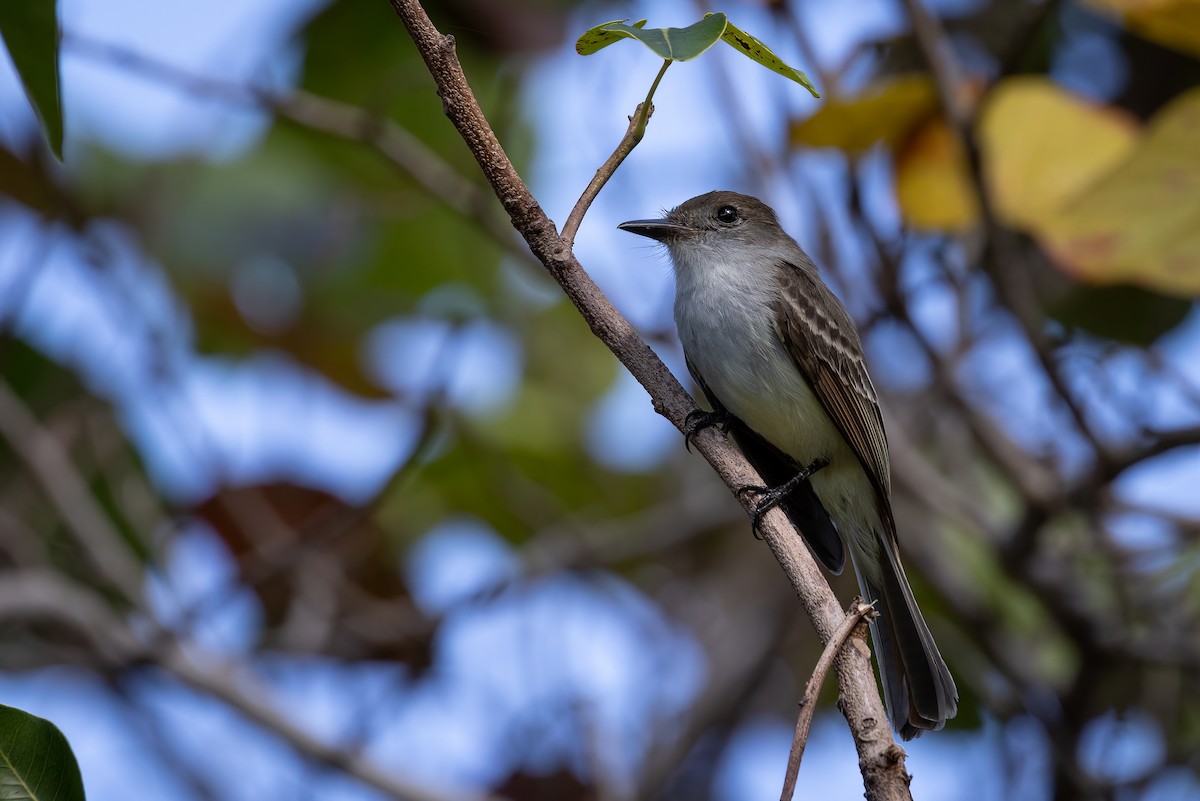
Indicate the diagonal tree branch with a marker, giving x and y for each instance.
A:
(880, 759)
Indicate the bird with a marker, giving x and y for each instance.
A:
(781, 364)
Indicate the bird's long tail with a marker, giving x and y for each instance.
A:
(917, 686)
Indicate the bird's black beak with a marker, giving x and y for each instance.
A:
(660, 230)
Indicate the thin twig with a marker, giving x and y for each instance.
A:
(856, 613)
(633, 135)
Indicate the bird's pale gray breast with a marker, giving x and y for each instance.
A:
(728, 333)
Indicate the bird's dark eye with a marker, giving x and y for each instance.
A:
(727, 214)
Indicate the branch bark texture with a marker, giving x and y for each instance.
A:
(881, 760)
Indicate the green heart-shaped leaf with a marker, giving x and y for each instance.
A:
(684, 44)
(754, 49)
(670, 44)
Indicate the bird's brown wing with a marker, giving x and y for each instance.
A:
(802, 506)
(824, 345)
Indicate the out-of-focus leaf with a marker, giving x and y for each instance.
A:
(30, 31)
(1140, 223)
(1041, 148)
(932, 187)
(1124, 313)
(755, 50)
(1044, 145)
(1174, 23)
(887, 111)
(670, 44)
(36, 761)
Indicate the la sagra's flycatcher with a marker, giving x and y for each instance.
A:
(778, 356)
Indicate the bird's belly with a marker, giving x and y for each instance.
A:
(758, 383)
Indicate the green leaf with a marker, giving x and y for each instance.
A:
(1121, 312)
(754, 49)
(684, 44)
(670, 44)
(36, 763)
(30, 30)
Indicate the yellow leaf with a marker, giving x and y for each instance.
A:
(1141, 222)
(1043, 145)
(887, 111)
(1174, 23)
(932, 186)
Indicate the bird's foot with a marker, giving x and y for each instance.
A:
(773, 496)
(699, 419)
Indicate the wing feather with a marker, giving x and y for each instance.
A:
(823, 342)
